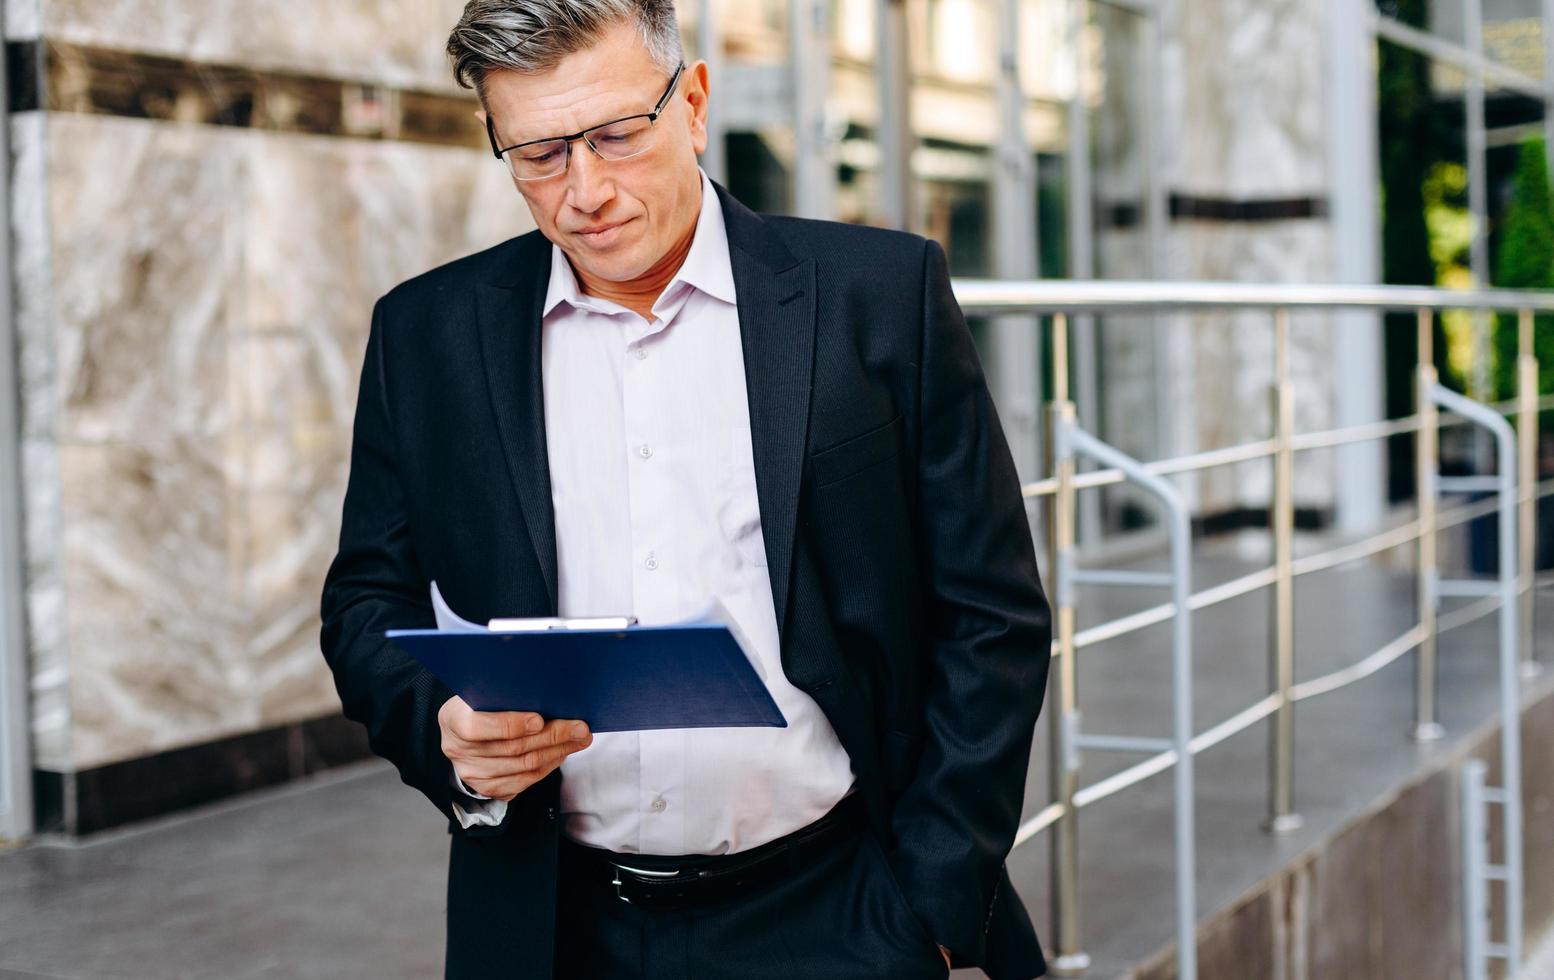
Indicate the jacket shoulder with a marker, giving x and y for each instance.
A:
(454, 278)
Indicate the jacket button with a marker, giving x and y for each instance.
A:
(550, 814)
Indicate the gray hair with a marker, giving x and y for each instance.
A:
(528, 36)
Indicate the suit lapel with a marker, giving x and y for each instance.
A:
(776, 295)
(509, 317)
(776, 298)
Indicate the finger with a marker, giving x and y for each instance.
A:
(488, 726)
(504, 788)
(509, 787)
(541, 759)
(491, 767)
(521, 781)
(557, 732)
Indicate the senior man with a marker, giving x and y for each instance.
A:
(656, 397)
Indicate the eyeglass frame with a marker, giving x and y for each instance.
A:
(582, 134)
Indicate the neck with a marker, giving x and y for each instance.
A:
(639, 294)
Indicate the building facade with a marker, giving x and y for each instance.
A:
(206, 198)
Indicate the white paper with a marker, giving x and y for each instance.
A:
(716, 613)
(448, 620)
(451, 622)
(713, 613)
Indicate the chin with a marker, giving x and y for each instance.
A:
(619, 265)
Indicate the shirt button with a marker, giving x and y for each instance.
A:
(659, 804)
(641, 353)
(651, 563)
(645, 451)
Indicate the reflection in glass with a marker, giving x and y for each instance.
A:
(758, 169)
(1521, 228)
(1513, 34)
(1425, 229)
(1443, 18)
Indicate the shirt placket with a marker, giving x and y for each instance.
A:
(650, 450)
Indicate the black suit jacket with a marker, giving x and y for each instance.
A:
(902, 567)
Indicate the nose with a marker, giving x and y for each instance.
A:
(589, 187)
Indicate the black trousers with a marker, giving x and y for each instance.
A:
(842, 917)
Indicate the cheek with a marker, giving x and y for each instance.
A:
(542, 207)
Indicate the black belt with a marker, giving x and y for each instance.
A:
(665, 882)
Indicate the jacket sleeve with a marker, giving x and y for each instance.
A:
(375, 583)
(987, 644)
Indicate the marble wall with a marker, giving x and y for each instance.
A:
(193, 302)
(1242, 99)
(1235, 114)
(393, 42)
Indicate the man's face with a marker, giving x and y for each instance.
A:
(613, 218)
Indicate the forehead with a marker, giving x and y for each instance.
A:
(613, 77)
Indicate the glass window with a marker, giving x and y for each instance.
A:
(1443, 18)
(1521, 226)
(1513, 34)
(1425, 225)
(754, 31)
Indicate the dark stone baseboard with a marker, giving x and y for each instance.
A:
(1220, 522)
(1201, 207)
(78, 803)
(61, 76)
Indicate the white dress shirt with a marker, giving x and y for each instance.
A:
(647, 429)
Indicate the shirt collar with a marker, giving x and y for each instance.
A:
(706, 266)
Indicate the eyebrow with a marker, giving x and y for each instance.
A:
(623, 113)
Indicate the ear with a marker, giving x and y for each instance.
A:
(696, 94)
(480, 116)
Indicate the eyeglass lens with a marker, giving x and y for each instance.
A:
(612, 141)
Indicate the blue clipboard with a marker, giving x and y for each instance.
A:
(638, 678)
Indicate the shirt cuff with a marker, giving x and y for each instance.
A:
(463, 787)
(479, 810)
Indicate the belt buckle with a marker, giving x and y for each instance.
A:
(636, 871)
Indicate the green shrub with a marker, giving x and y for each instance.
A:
(1526, 261)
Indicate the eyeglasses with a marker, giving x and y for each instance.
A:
(617, 139)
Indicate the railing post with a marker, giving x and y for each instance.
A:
(1281, 639)
(1426, 468)
(1509, 795)
(1073, 439)
(1527, 465)
(1071, 959)
(1475, 897)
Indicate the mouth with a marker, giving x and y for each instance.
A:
(601, 235)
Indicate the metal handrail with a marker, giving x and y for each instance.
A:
(1073, 441)
(988, 297)
(1263, 448)
(1062, 298)
(1250, 582)
(1510, 793)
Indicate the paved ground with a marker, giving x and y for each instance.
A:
(1540, 965)
(342, 876)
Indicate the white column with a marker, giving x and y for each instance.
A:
(710, 47)
(814, 164)
(893, 73)
(1352, 165)
(1013, 339)
(15, 750)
